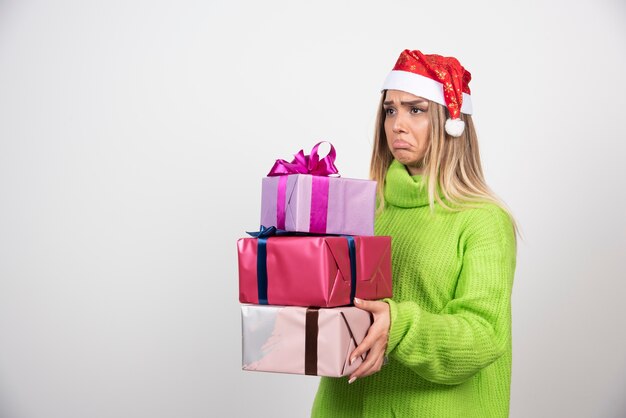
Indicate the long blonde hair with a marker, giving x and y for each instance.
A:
(452, 167)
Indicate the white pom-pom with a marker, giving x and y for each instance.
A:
(455, 127)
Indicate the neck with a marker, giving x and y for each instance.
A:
(404, 189)
(415, 170)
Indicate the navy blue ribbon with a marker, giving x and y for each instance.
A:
(261, 269)
(352, 253)
(261, 258)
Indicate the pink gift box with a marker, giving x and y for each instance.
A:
(318, 204)
(289, 339)
(314, 270)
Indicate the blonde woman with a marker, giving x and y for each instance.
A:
(441, 347)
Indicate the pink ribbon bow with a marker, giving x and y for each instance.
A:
(307, 164)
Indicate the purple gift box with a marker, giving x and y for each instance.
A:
(304, 196)
(320, 205)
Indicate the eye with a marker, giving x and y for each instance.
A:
(416, 110)
(390, 111)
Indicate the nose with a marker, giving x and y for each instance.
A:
(399, 125)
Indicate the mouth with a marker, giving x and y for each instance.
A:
(400, 144)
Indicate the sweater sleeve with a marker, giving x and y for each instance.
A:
(474, 328)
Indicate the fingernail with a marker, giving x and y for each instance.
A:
(352, 360)
(357, 300)
(352, 379)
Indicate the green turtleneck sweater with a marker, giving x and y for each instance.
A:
(450, 337)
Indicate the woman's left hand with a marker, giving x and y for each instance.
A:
(375, 342)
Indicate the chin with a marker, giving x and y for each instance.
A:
(408, 160)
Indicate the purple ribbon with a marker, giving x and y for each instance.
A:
(319, 205)
(321, 169)
(281, 208)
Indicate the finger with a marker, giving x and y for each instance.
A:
(373, 368)
(360, 371)
(371, 365)
(373, 355)
(362, 348)
(372, 306)
(374, 336)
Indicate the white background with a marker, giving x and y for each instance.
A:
(133, 138)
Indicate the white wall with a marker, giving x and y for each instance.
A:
(133, 137)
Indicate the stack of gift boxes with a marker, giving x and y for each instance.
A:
(299, 275)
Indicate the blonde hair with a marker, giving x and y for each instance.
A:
(452, 167)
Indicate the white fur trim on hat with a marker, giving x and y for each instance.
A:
(423, 87)
(455, 127)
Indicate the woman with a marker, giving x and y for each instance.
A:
(446, 333)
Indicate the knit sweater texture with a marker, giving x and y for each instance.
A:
(450, 337)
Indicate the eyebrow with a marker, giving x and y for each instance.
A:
(411, 103)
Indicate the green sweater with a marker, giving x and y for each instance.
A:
(450, 337)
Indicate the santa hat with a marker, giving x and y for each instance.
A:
(440, 79)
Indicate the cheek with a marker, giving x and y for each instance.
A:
(422, 132)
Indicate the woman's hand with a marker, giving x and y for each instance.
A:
(375, 342)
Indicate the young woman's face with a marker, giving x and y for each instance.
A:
(407, 128)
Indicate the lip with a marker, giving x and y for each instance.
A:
(400, 144)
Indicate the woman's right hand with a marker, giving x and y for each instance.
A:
(375, 342)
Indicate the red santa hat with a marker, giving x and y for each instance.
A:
(440, 79)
